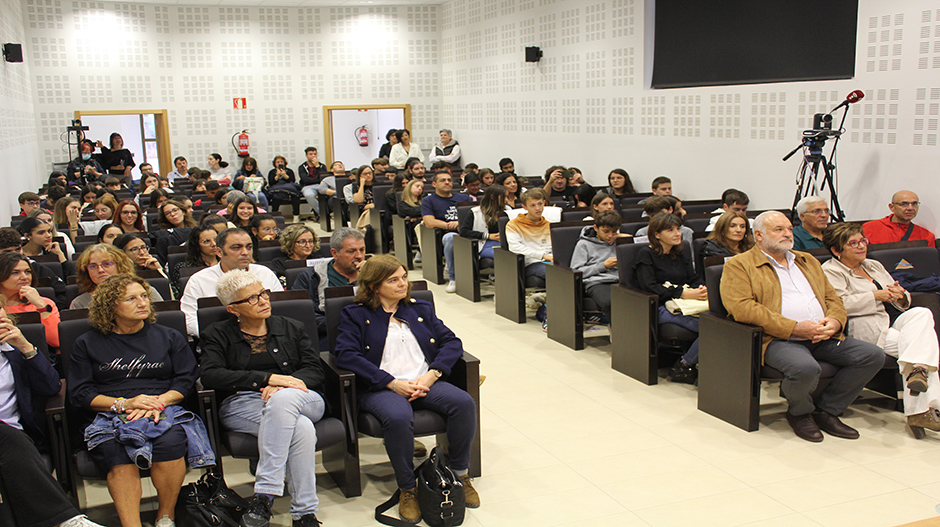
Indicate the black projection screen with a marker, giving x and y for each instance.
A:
(720, 42)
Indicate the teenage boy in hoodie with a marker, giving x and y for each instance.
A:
(595, 256)
(529, 234)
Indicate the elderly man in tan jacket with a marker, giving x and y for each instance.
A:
(787, 293)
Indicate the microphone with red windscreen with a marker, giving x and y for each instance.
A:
(851, 98)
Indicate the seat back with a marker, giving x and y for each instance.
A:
(697, 224)
(713, 283)
(503, 220)
(577, 214)
(463, 210)
(921, 261)
(339, 297)
(565, 237)
(288, 304)
(630, 227)
(701, 206)
(626, 257)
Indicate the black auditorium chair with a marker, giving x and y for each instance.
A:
(697, 222)
(432, 254)
(73, 324)
(465, 375)
(576, 214)
(511, 281)
(381, 220)
(469, 269)
(157, 281)
(403, 234)
(336, 437)
(704, 206)
(636, 335)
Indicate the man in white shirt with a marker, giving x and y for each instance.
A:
(181, 172)
(234, 248)
(788, 295)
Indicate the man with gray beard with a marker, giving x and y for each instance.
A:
(787, 293)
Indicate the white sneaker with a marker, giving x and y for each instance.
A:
(451, 287)
(79, 521)
(165, 522)
(417, 258)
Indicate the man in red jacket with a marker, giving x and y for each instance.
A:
(899, 225)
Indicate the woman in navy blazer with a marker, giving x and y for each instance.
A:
(402, 354)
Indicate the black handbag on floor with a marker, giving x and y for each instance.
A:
(209, 503)
(440, 495)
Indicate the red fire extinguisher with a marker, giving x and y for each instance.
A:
(362, 134)
(241, 146)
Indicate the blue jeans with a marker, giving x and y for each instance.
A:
(449, 253)
(261, 199)
(689, 323)
(287, 441)
(397, 417)
(486, 251)
(310, 192)
(536, 269)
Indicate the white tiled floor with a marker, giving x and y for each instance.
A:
(568, 441)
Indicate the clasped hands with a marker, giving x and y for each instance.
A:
(144, 406)
(278, 382)
(816, 331)
(413, 389)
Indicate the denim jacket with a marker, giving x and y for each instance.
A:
(136, 435)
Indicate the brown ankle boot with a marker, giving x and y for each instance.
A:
(917, 380)
(929, 419)
(472, 497)
(408, 508)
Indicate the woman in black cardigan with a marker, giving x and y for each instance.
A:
(269, 373)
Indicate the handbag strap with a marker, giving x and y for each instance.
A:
(390, 520)
(910, 230)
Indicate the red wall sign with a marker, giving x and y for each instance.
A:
(239, 103)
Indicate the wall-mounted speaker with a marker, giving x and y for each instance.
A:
(532, 54)
(13, 52)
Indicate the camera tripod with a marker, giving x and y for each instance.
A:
(806, 183)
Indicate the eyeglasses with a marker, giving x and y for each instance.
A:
(902, 204)
(856, 243)
(36, 203)
(304, 242)
(253, 299)
(207, 242)
(138, 250)
(129, 212)
(103, 266)
(818, 211)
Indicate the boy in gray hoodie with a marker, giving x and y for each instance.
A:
(595, 256)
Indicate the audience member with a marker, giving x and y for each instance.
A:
(899, 225)
(409, 207)
(275, 396)
(806, 329)
(251, 181)
(380, 167)
(54, 194)
(348, 248)
(529, 234)
(172, 214)
(732, 199)
(404, 149)
(814, 216)
(109, 233)
(118, 159)
(45, 216)
(556, 183)
(311, 173)
(439, 211)
(599, 203)
(391, 195)
(282, 186)
(181, 172)
(263, 227)
(11, 241)
(200, 251)
(447, 151)
(298, 242)
(38, 239)
(360, 191)
(95, 265)
(513, 189)
(731, 235)
(576, 178)
(471, 168)
(664, 268)
(414, 168)
(584, 194)
(83, 169)
(234, 248)
(129, 217)
(18, 293)
(105, 206)
(506, 165)
(146, 169)
(472, 185)
(135, 246)
(241, 210)
(158, 197)
(219, 170)
(391, 139)
(482, 224)
(879, 311)
(28, 201)
(662, 186)
(595, 255)
(399, 351)
(126, 339)
(657, 204)
(619, 185)
(487, 177)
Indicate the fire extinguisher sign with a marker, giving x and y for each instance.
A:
(239, 103)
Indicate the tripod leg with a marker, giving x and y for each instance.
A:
(836, 212)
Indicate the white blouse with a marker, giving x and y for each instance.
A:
(402, 357)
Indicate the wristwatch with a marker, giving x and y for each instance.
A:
(437, 372)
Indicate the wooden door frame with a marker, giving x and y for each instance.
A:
(161, 124)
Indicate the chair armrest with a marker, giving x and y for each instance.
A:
(340, 386)
(565, 287)
(56, 403)
(729, 370)
(634, 332)
(207, 407)
(59, 441)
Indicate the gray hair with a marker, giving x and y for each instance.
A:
(447, 131)
(340, 235)
(231, 283)
(233, 195)
(761, 219)
(804, 203)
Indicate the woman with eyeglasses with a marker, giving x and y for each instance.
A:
(96, 264)
(129, 217)
(879, 311)
(298, 242)
(136, 249)
(268, 374)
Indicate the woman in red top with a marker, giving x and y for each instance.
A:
(19, 295)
